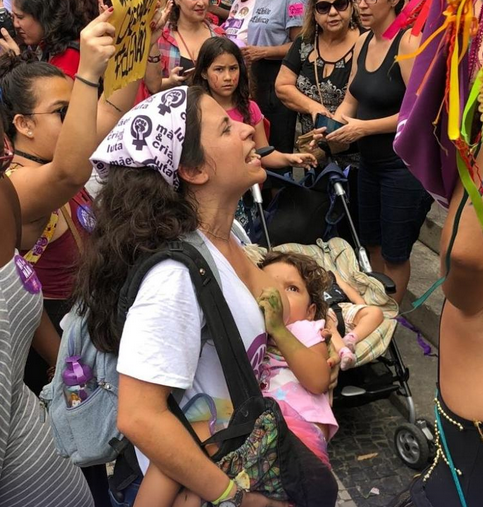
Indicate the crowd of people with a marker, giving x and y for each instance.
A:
(91, 185)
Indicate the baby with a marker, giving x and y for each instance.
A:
(300, 385)
(307, 287)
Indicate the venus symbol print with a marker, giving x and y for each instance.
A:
(172, 99)
(141, 128)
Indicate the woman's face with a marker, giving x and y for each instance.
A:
(292, 283)
(43, 126)
(28, 28)
(223, 76)
(334, 16)
(376, 14)
(193, 10)
(230, 151)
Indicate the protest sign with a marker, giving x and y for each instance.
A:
(131, 19)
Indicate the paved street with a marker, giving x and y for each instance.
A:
(367, 432)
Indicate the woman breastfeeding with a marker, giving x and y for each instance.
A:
(192, 185)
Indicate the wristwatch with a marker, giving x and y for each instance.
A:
(235, 501)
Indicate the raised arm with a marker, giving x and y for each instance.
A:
(48, 187)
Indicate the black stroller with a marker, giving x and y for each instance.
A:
(324, 196)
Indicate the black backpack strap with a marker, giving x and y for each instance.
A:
(237, 370)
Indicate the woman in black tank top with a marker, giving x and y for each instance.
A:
(392, 203)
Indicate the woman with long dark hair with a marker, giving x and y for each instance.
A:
(185, 176)
(52, 26)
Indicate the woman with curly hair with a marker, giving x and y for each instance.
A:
(52, 26)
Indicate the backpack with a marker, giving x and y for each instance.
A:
(87, 434)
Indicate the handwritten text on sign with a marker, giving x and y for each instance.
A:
(131, 18)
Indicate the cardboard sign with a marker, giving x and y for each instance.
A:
(131, 18)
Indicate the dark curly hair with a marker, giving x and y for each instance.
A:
(212, 49)
(18, 75)
(61, 20)
(137, 212)
(315, 277)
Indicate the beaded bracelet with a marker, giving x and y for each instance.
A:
(87, 82)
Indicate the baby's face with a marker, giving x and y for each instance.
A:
(291, 282)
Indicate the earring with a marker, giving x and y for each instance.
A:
(30, 133)
(316, 31)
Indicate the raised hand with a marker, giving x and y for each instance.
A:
(160, 18)
(7, 43)
(96, 47)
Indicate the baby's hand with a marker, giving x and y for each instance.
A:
(271, 305)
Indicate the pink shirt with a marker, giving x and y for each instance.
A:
(256, 115)
(280, 383)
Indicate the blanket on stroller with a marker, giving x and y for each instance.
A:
(337, 255)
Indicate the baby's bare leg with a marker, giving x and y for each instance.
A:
(157, 489)
(366, 321)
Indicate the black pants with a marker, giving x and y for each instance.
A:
(439, 490)
(36, 377)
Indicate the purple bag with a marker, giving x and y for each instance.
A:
(425, 148)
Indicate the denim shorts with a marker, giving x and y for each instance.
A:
(392, 208)
(129, 495)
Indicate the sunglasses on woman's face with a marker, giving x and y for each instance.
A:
(325, 7)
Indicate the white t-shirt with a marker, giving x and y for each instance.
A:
(271, 21)
(236, 25)
(161, 339)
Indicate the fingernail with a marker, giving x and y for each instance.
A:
(111, 9)
(152, 25)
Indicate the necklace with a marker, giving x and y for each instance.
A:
(216, 235)
(190, 54)
(33, 158)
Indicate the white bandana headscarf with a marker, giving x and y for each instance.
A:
(149, 135)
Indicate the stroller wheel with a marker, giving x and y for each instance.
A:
(412, 446)
(427, 427)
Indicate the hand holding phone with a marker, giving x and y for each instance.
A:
(186, 72)
(324, 121)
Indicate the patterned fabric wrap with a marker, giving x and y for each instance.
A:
(151, 135)
(255, 465)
